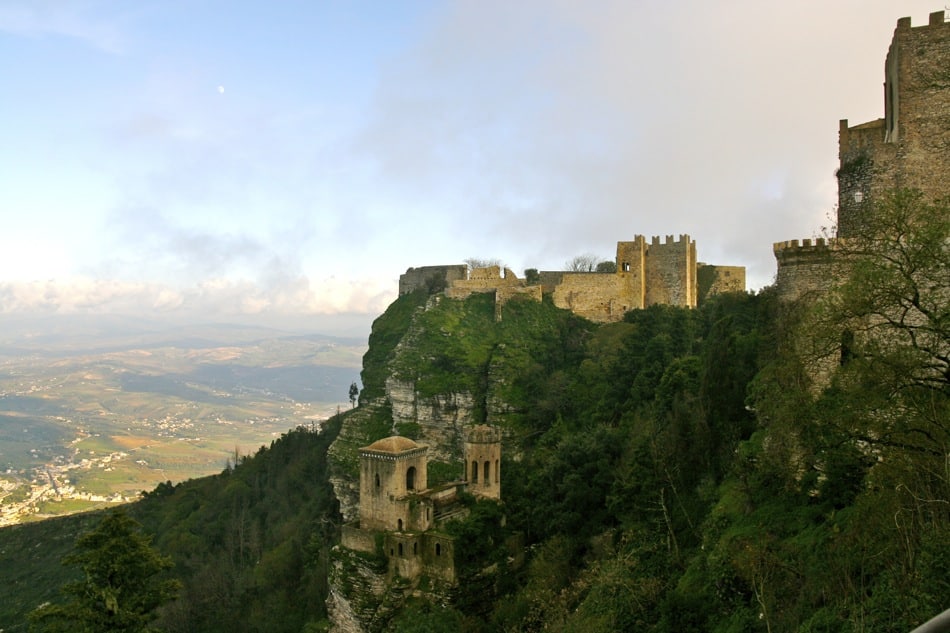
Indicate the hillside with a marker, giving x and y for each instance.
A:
(680, 470)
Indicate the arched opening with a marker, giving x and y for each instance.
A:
(438, 549)
(377, 480)
(496, 471)
(486, 473)
(474, 472)
(399, 526)
(400, 549)
(415, 548)
(411, 478)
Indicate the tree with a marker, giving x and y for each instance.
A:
(354, 394)
(121, 585)
(606, 266)
(895, 304)
(475, 262)
(582, 263)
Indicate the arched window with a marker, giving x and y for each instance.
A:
(496, 471)
(486, 476)
(474, 472)
(399, 527)
(411, 478)
(400, 549)
(377, 480)
(438, 549)
(415, 548)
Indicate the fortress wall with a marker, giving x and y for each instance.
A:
(550, 279)
(713, 280)
(487, 279)
(670, 272)
(631, 272)
(595, 296)
(807, 268)
(425, 276)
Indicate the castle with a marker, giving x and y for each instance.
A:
(400, 514)
(647, 273)
(908, 148)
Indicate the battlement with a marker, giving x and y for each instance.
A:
(805, 244)
(683, 240)
(937, 18)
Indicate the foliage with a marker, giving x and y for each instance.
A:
(121, 587)
(680, 470)
(584, 263)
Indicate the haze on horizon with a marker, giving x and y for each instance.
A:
(284, 163)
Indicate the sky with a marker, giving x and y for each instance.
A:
(284, 162)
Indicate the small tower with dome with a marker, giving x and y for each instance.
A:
(391, 469)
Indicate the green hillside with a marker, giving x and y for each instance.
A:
(682, 470)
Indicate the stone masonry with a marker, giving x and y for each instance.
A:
(648, 273)
(908, 148)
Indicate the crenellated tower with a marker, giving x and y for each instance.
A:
(910, 146)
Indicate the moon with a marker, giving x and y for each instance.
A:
(221, 90)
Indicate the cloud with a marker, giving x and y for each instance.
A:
(76, 20)
(209, 300)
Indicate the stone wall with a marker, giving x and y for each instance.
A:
(713, 280)
(594, 296)
(808, 268)
(670, 272)
(431, 278)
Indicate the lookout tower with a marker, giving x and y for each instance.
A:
(391, 469)
(483, 462)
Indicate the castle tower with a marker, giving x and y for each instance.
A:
(483, 462)
(910, 146)
(390, 469)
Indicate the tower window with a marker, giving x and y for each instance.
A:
(411, 478)
(377, 480)
(486, 477)
(474, 472)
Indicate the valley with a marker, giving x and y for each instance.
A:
(90, 425)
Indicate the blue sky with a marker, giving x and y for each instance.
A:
(286, 161)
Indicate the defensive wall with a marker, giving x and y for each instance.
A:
(647, 273)
(433, 278)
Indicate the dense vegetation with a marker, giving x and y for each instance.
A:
(249, 545)
(746, 466)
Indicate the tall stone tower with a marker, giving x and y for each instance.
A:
(483, 462)
(910, 146)
(390, 469)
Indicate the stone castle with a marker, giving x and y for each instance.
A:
(400, 517)
(647, 273)
(908, 148)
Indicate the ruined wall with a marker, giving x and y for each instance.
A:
(483, 280)
(431, 278)
(670, 270)
(910, 146)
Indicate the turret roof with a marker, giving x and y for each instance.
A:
(392, 444)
